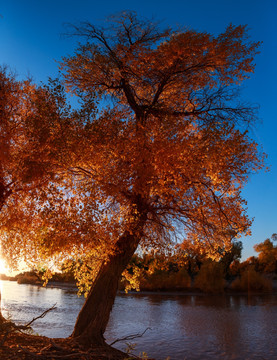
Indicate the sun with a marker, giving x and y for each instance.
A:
(3, 268)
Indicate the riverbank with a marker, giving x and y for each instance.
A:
(19, 346)
(190, 291)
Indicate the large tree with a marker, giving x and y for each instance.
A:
(163, 160)
(167, 154)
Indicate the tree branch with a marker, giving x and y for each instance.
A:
(130, 337)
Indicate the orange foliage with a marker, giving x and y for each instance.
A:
(267, 255)
(31, 134)
(166, 159)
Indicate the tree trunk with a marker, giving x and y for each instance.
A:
(94, 316)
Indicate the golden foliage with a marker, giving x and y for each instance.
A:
(165, 160)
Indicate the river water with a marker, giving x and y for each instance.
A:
(191, 327)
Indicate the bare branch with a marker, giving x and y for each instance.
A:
(40, 316)
(130, 337)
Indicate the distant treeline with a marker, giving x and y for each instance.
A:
(190, 269)
(186, 269)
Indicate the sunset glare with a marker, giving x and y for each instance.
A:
(3, 268)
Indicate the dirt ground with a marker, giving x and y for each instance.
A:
(19, 346)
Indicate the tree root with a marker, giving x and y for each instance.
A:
(16, 344)
(21, 346)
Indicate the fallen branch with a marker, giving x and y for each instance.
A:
(40, 316)
(130, 337)
(10, 327)
(50, 346)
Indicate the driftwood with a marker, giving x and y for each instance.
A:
(9, 327)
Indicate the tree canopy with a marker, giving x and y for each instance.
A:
(170, 137)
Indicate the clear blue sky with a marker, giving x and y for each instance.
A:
(31, 41)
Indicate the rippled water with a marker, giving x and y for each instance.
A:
(182, 326)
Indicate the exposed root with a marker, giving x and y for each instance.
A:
(19, 346)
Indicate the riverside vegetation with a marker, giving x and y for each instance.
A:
(186, 270)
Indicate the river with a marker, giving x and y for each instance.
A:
(190, 327)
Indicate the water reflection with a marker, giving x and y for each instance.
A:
(190, 327)
(200, 327)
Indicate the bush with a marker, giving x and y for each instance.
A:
(164, 280)
(210, 278)
(251, 280)
(28, 278)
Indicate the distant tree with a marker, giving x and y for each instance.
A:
(194, 256)
(267, 255)
(235, 268)
(230, 256)
(274, 237)
(251, 280)
(165, 158)
(251, 262)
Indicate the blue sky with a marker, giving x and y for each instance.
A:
(31, 43)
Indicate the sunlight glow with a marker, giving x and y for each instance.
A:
(3, 268)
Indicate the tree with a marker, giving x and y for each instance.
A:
(267, 257)
(168, 151)
(164, 159)
(28, 118)
(194, 256)
(234, 254)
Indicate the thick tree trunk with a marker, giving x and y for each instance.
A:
(94, 316)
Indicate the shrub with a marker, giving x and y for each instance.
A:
(28, 278)
(251, 280)
(210, 278)
(164, 280)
